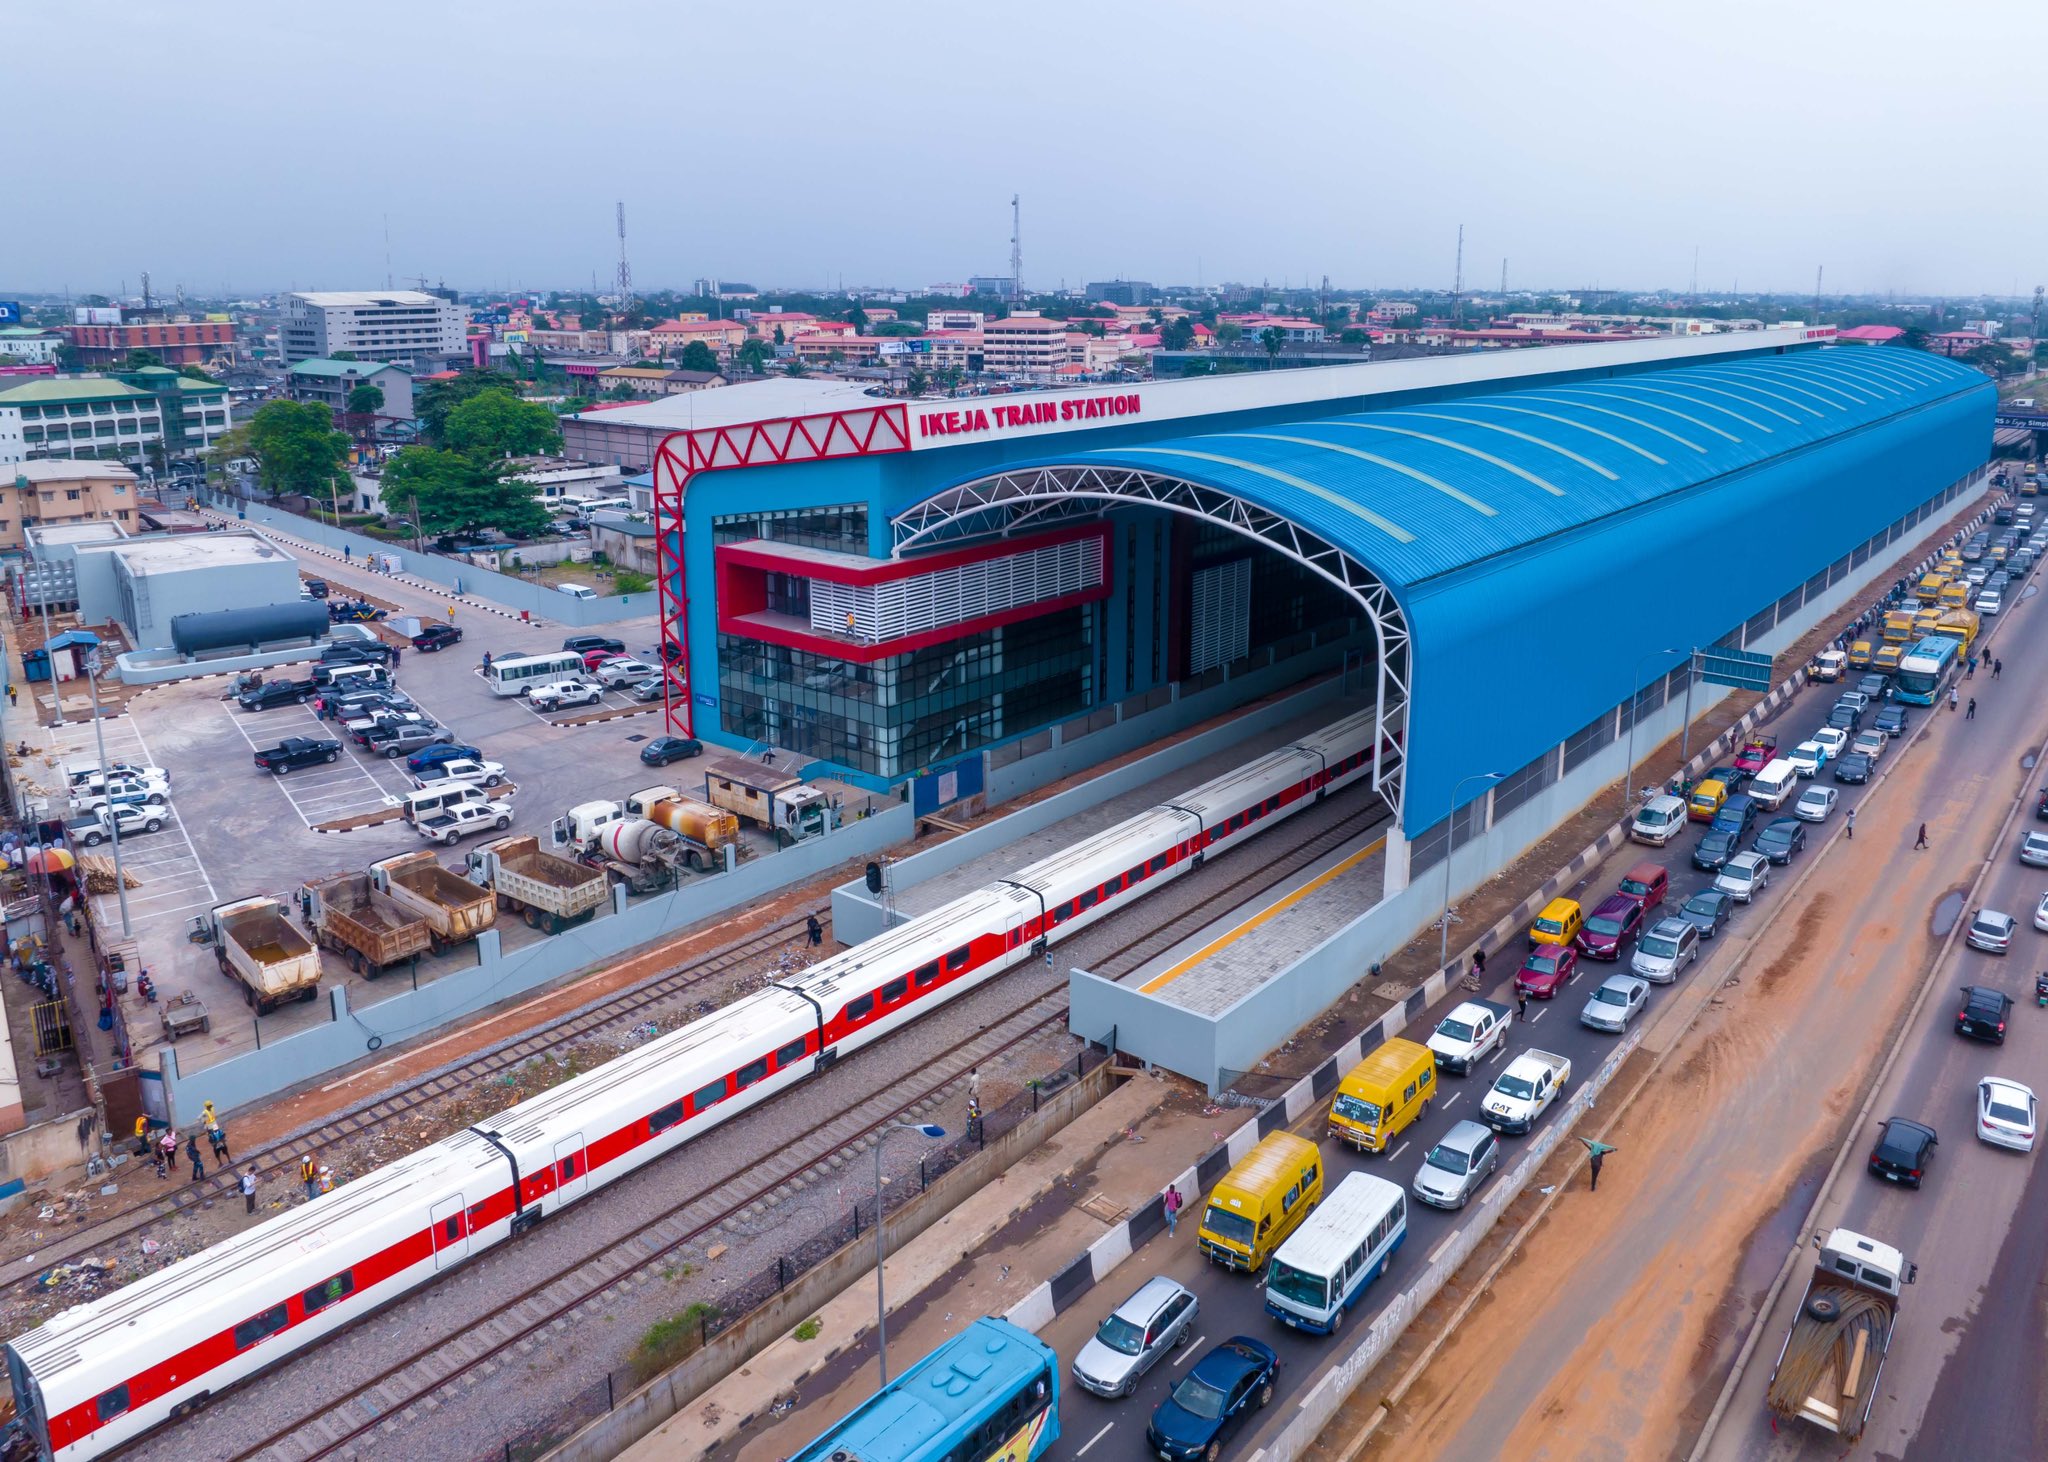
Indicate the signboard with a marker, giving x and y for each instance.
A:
(489, 317)
(96, 315)
(947, 785)
(1742, 669)
(10, 312)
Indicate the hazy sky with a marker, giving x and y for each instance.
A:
(263, 145)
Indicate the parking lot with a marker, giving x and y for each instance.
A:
(237, 831)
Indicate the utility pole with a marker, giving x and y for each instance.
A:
(1503, 283)
(387, 251)
(2034, 330)
(1695, 272)
(1458, 277)
(1016, 250)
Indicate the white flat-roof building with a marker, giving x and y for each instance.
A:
(400, 325)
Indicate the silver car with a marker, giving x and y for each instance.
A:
(1665, 948)
(1743, 875)
(1815, 803)
(1452, 1171)
(1990, 931)
(1144, 1327)
(1614, 1004)
(2034, 850)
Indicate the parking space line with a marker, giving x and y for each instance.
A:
(1497, 1055)
(1107, 1428)
(1188, 1350)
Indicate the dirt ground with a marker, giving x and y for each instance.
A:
(1555, 1361)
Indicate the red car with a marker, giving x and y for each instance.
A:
(1756, 754)
(1547, 970)
(1618, 920)
(1646, 883)
(594, 658)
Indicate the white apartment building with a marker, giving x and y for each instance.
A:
(955, 320)
(398, 325)
(11, 447)
(1024, 345)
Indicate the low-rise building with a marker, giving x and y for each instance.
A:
(566, 479)
(625, 541)
(329, 382)
(62, 491)
(174, 342)
(70, 417)
(1868, 335)
(672, 337)
(29, 346)
(654, 380)
(826, 345)
(937, 320)
(1027, 345)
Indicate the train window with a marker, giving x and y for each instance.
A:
(895, 990)
(452, 1229)
(859, 1008)
(957, 960)
(321, 1295)
(750, 1073)
(259, 1327)
(665, 1118)
(1158, 862)
(112, 1403)
(709, 1096)
(1086, 900)
(568, 1166)
(928, 973)
(1063, 913)
(794, 1051)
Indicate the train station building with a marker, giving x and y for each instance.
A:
(1509, 556)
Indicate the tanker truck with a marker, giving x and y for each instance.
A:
(706, 831)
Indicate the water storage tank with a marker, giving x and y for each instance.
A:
(258, 624)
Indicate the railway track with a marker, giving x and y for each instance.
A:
(332, 1425)
(279, 1160)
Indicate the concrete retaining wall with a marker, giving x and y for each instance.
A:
(856, 915)
(35, 1152)
(651, 1405)
(447, 575)
(351, 1034)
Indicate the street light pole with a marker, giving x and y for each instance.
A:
(923, 1129)
(1443, 947)
(92, 679)
(1634, 694)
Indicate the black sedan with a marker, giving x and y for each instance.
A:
(1983, 1013)
(1212, 1400)
(1783, 837)
(1715, 847)
(1707, 911)
(1891, 719)
(1845, 718)
(1852, 766)
(1876, 686)
(664, 749)
(1728, 777)
(1903, 1149)
(436, 637)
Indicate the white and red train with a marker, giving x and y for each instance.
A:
(96, 1376)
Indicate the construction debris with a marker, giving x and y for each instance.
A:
(99, 873)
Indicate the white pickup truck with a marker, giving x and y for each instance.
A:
(1464, 1037)
(1525, 1091)
(458, 822)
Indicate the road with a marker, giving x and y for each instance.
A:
(1234, 1304)
(1722, 1155)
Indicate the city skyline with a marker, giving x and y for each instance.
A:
(1597, 153)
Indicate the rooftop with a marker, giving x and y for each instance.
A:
(326, 366)
(362, 299)
(731, 405)
(96, 530)
(67, 469)
(184, 551)
(69, 388)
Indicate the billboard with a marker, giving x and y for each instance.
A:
(10, 312)
(489, 317)
(96, 315)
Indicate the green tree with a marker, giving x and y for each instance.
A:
(919, 382)
(229, 445)
(142, 360)
(449, 492)
(697, 356)
(69, 358)
(1997, 359)
(754, 355)
(193, 372)
(343, 355)
(1228, 335)
(795, 366)
(1353, 336)
(436, 399)
(1177, 333)
(297, 448)
(1915, 338)
(778, 336)
(857, 317)
(366, 400)
(1273, 339)
(496, 423)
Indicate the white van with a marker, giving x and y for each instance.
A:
(1777, 781)
(577, 591)
(355, 679)
(434, 800)
(1316, 1275)
(1658, 821)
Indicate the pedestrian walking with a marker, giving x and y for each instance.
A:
(1997, 668)
(451, 614)
(1479, 960)
(1596, 1153)
(249, 1190)
(207, 1116)
(1973, 669)
(1169, 1203)
(1921, 841)
(13, 697)
(192, 1151)
(218, 1136)
(1971, 713)
(162, 1161)
(974, 1084)
(309, 1174)
(348, 552)
(1597, 1158)
(487, 662)
(1521, 1004)
(814, 931)
(1852, 824)
(1953, 699)
(396, 652)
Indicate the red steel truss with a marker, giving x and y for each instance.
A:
(863, 432)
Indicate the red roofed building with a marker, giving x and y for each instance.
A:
(723, 336)
(1957, 342)
(1868, 335)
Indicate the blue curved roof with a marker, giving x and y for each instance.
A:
(1419, 491)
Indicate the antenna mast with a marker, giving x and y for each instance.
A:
(387, 251)
(625, 269)
(1819, 270)
(1458, 277)
(1016, 249)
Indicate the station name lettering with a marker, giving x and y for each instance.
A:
(1008, 414)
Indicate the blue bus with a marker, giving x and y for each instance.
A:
(1925, 670)
(990, 1394)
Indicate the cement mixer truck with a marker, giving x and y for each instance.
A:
(647, 840)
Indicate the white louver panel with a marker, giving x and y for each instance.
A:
(902, 607)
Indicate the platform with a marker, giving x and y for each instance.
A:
(1240, 950)
(1004, 862)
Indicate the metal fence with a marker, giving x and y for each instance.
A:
(740, 1301)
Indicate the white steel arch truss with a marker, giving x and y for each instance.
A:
(1010, 502)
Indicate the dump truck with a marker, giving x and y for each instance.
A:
(706, 831)
(257, 947)
(550, 893)
(455, 909)
(1828, 1368)
(364, 925)
(781, 802)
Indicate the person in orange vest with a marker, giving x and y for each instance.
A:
(309, 1174)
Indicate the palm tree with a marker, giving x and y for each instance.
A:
(1272, 338)
(919, 382)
